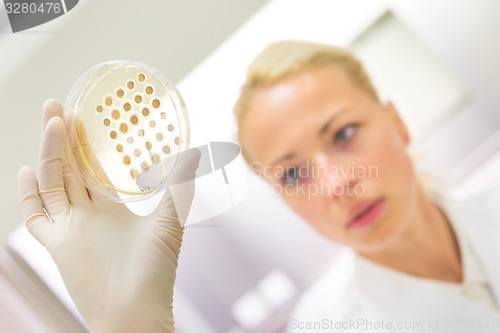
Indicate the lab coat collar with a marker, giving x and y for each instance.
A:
(405, 296)
(480, 220)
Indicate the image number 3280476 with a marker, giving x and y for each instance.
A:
(26, 14)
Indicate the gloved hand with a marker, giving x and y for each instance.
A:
(119, 268)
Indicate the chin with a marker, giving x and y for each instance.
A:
(381, 237)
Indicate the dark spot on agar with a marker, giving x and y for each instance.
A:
(134, 119)
(115, 114)
(123, 128)
(134, 173)
(108, 100)
(120, 93)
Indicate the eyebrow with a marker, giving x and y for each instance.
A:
(322, 131)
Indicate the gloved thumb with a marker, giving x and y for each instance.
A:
(180, 185)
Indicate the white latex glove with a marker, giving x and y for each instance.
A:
(119, 268)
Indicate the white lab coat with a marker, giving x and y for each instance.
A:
(352, 297)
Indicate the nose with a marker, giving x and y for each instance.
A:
(336, 177)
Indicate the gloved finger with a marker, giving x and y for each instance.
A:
(35, 218)
(185, 167)
(51, 184)
(75, 189)
(80, 143)
(69, 119)
(182, 196)
(97, 200)
(180, 186)
(51, 108)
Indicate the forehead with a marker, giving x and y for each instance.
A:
(292, 111)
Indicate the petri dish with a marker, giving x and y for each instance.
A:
(127, 126)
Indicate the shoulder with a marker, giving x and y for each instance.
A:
(478, 191)
(470, 204)
(480, 205)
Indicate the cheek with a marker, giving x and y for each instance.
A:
(307, 209)
(317, 211)
(310, 209)
(387, 154)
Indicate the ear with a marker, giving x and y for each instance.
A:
(398, 122)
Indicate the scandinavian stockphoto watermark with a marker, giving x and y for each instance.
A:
(312, 180)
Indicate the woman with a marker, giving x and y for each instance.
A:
(307, 111)
(311, 123)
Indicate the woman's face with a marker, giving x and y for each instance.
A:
(335, 155)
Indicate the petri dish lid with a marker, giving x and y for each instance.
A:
(128, 124)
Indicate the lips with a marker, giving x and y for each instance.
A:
(365, 212)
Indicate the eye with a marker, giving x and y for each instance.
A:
(345, 134)
(291, 175)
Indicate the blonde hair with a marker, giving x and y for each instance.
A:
(285, 58)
